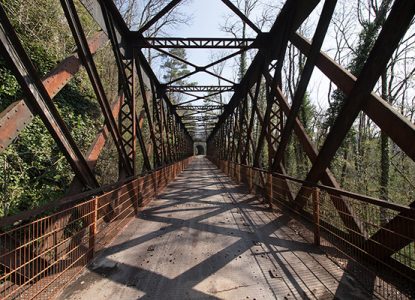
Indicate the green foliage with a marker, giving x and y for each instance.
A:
(174, 68)
(306, 113)
(9, 88)
(33, 171)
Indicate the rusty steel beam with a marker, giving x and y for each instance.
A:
(254, 100)
(396, 126)
(130, 130)
(39, 101)
(244, 18)
(159, 88)
(98, 145)
(307, 71)
(159, 15)
(401, 225)
(95, 9)
(145, 96)
(142, 62)
(17, 115)
(301, 9)
(347, 214)
(96, 148)
(88, 62)
(393, 30)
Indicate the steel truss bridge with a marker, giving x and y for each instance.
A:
(42, 250)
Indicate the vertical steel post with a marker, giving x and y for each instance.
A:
(270, 192)
(93, 227)
(250, 181)
(316, 215)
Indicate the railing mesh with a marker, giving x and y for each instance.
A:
(40, 256)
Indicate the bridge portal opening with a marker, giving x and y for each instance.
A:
(200, 150)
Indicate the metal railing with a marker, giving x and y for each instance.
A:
(370, 238)
(39, 256)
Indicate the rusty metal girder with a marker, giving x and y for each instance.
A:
(301, 89)
(39, 101)
(122, 33)
(95, 9)
(396, 126)
(393, 30)
(301, 9)
(129, 130)
(145, 95)
(346, 212)
(17, 116)
(88, 62)
(254, 100)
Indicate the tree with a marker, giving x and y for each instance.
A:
(33, 171)
(173, 68)
(238, 28)
(137, 13)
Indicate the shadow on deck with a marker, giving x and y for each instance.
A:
(207, 238)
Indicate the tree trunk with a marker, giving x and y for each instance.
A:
(384, 158)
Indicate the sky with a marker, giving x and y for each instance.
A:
(206, 20)
(207, 17)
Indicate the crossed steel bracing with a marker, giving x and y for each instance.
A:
(172, 127)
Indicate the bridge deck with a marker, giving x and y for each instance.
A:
(206, 238)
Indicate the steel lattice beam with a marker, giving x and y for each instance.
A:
(88, 62)
(196, 43)
(198, 107)
(200, 88)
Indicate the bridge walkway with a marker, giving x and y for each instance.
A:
(205, 237)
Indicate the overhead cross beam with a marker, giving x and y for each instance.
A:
(200, 88)
(195, 43)
(186, 118)
(198, 107)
